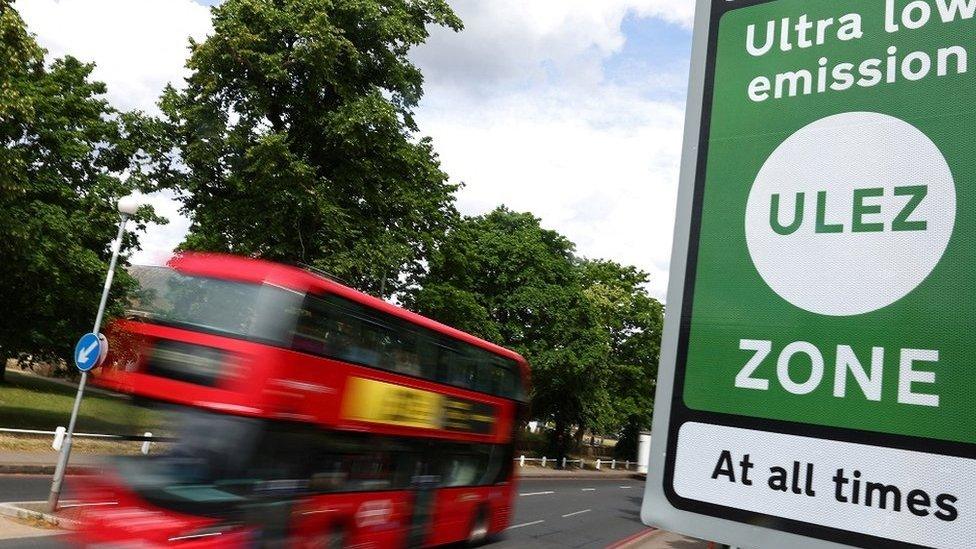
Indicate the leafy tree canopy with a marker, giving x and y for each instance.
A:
(504, 277)
(294, 138)
(633, 320)
(64, 154)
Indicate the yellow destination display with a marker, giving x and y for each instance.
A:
(380, 402)
(391, 404)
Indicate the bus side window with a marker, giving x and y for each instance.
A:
(452, 368)
(485, 370)
(427, 351)
(282, 460)
(353, 463)
(494, 377)
(369, 470)
(465, 465)
(323, 330)
(408, 463)
(352, 336)
(499, 464)
(311, 328)
(505, 379)
(406, 358)
(366, 348)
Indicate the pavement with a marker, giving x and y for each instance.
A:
(14, 531)
(545, 472)
(660, 539)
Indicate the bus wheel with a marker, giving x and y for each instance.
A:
(479, 529)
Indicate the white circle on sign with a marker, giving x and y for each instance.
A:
(877, 208)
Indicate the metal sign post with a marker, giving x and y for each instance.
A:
(84, 359)
(816, 384)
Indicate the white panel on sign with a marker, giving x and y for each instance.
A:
(909, 496)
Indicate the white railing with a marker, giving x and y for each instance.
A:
(598, 464)
(147, 438)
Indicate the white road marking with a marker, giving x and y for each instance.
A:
(88, 504)
(525, 524)
(195, 536)
(577, 513)
(537, 493)
(587, 489)
(625, 486)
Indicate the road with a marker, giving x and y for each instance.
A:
(27, 487)
(548, 512)
(574, 513)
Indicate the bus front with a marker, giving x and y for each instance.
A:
(199, 346)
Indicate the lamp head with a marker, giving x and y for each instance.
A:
(128, 205)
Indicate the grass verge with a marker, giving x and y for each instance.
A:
(28, 401)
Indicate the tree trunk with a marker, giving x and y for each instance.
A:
(560, 441)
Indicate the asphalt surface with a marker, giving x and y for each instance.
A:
(574, 513)
(28, 487)
(578, 513)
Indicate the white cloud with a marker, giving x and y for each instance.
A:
(520, 43)
(139, 45)
(601, 169)
(522, 112)
(159, 241)
(680, 12)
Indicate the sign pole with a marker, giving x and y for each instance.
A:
(52, 500)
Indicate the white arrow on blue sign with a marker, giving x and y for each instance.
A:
(90, 351)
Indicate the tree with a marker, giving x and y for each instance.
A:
(64, 152)
(295, 139)
(633, 321)
(503, 277)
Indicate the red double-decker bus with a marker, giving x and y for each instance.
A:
(305, 413)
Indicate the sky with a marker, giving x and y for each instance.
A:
(570, 109)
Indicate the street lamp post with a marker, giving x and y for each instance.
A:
(127, 206)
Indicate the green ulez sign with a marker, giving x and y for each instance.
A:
(825, 377)
(838, 210)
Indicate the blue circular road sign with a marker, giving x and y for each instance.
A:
(90, 351)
